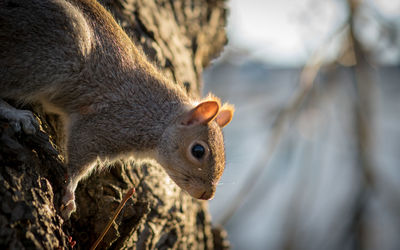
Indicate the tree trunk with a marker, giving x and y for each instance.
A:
(180, 37)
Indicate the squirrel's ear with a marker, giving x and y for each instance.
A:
(225, 115)
(202, 113)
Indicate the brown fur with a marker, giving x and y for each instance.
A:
(74, 59)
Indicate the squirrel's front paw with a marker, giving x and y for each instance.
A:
(68, 209)
(26, 120)
(19, 118)
(68, 205)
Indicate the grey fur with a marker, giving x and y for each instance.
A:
(72, 57)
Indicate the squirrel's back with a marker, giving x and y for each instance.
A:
(42, 43)
(71, 54)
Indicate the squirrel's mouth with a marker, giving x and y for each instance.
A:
(206, 196)
(201, 192)
(195, 187)
(203, 196)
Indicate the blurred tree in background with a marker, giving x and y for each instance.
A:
(320, 145)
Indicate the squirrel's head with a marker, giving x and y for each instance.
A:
(192, 148)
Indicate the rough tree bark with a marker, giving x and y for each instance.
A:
(180, 37)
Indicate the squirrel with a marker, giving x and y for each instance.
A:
(71, 57)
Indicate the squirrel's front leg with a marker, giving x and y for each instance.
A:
(81, 157)
(75, 173)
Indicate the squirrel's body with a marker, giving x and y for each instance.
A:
(75, 60)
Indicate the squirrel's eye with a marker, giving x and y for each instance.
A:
(198, 151)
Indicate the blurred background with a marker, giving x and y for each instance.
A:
(313, 151)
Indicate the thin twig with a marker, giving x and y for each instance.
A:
(127, 196)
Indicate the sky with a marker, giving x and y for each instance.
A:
(286, 32)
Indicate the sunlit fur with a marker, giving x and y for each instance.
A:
(200, 179)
